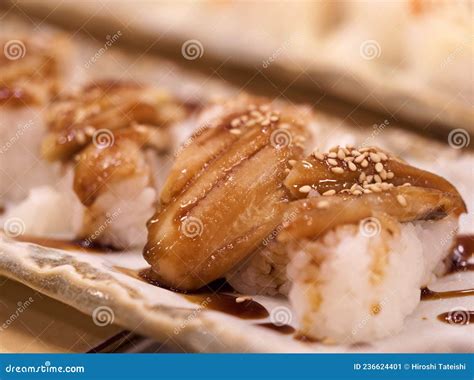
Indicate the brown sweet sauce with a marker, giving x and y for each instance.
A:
(430, 295)
(282, 329)
(209, 297)
(459, 317)
(226, 303)
(68, 245)
(463, 250)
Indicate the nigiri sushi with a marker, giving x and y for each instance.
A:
(225, 191)
(367, 232)
(32, 70)
(108, 137)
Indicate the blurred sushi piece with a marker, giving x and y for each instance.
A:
(108, 137)
(32, 70)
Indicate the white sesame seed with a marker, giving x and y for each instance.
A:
(364, 163)
(367, 191)
(340, 154)
(383, 156)
(370, 178)
(360, 158)
(265, 123)
(318, 155)
(383, 174)
(377, 178)
(378, 167)
(332, 155)
(355, 153)
(401, 199)
(362, 177)
(376, 188)
(357, 192)
(329, 192)
(235, 131)
(347, 152)
(337, 170)
(374, 157)
(305, 189)
(274, 118)
(352, 166)
(390, 175)
(235, 123)
(243, 299)
(332, 162)
(406, 184)
(292, 162)
(349, 159)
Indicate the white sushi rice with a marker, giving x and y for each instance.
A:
(21, 167)
(349, 287)
(48, 211)
(118, 217)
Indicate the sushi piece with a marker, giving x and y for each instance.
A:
(225, 192)
(112, 134)
(108, 138)
(369, 232)
(32, 70)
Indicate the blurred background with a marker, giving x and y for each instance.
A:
(410, 60)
